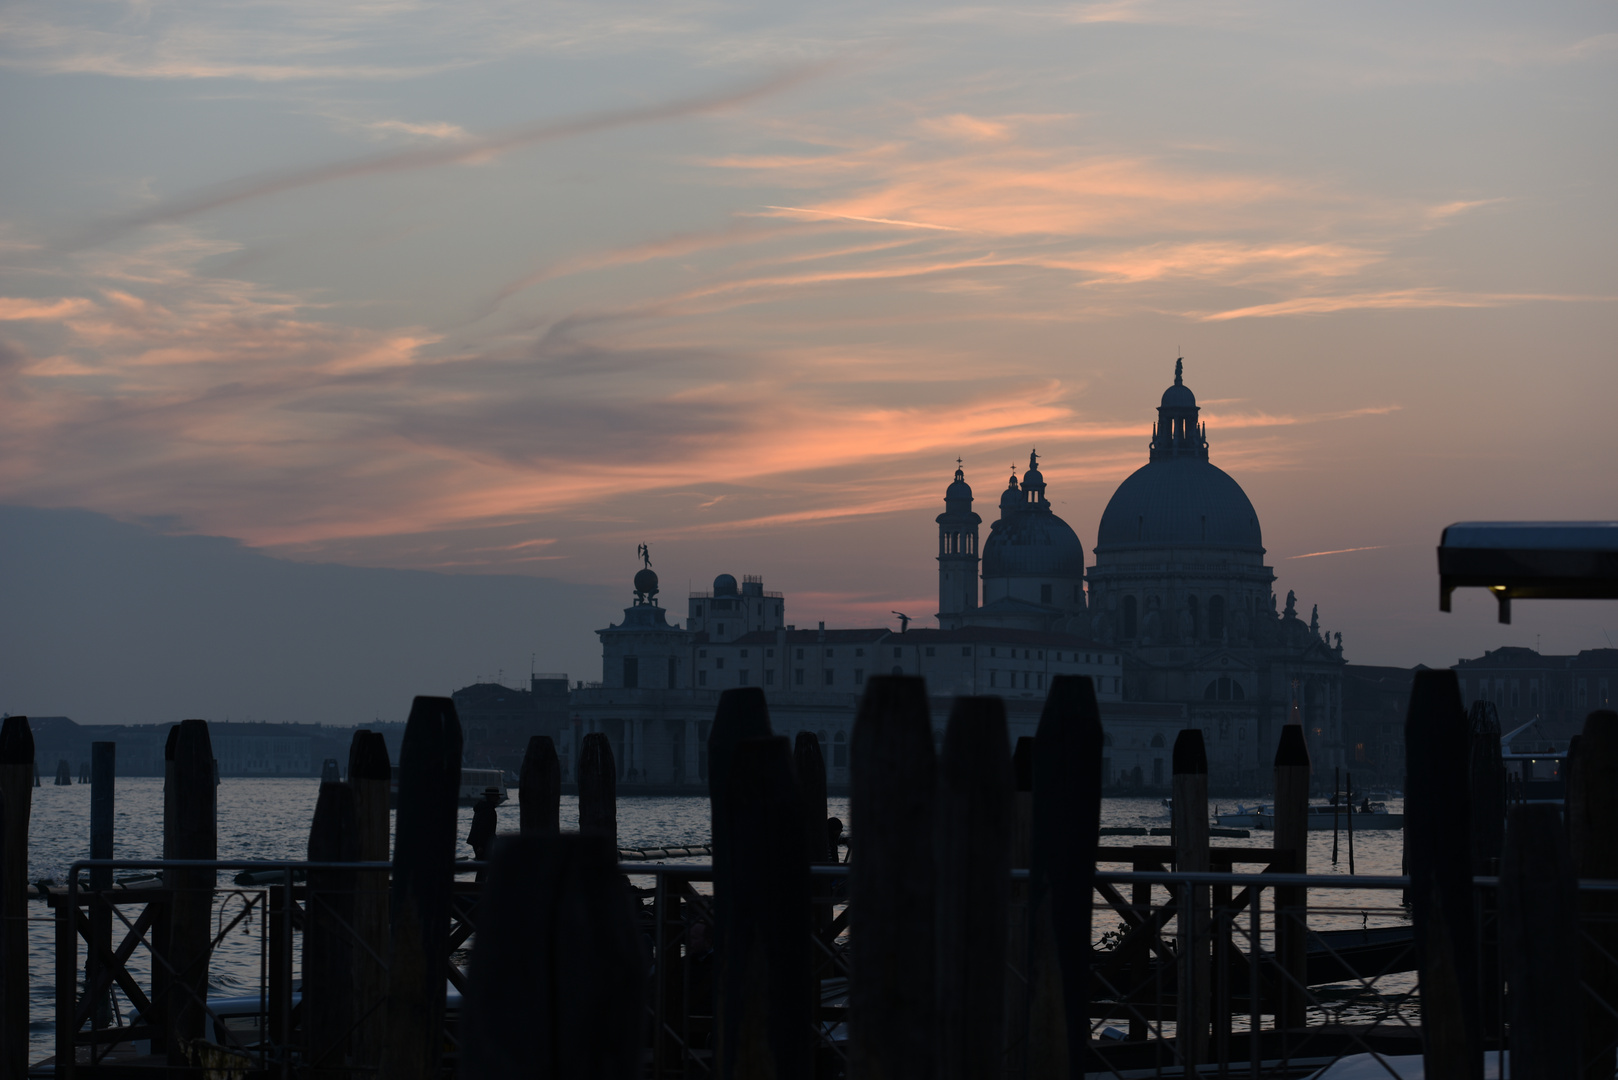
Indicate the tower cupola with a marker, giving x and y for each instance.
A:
(958, 552)
(1177, 432)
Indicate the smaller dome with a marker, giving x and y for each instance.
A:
(1179, 396)
(960, 489)
(725, 585)
(646, 581)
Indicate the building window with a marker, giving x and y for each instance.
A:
(993, 677)
(929, 650)
(631, 672)
(859, 652)
(674, 673)
(1157, 742)
(1115, 681)
(744, 654)
(1042, 655)
(800, 654)
(769, 676)
(1025, 680)
(966, 650)
(697, 610)
(702, 654)
(897, 670)
(721, 628)
(769, 653)
(702, 678)
(839, 751)
(992, 651)
(1516, 693)
(742, 680)
(1044, 594)
(828, 652)
(1216, 616)
(1078, 593)
(797, 677)
(1195, 616)
(719, 663)
(1129, 616)
(859, 676)
(828, 674)
(897, 652)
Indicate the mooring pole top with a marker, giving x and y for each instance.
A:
(1533, 560)
(1190, 753)
(16, 741)
(1292, 750)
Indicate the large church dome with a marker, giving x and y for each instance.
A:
(1179, 498)
(1179, 502)
(1033, 545)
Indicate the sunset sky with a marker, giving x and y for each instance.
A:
(488, 287)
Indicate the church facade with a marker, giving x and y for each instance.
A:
(1176, 620)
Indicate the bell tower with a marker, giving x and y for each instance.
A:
(957, 554)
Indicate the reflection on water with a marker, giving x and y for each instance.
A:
(269, 819)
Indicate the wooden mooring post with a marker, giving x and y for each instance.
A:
(766, 990)
(1486, 786)
(1016, 980)
(328, 944)
(1592, 816)
(194, 832)
(16, 797)
(598, 788)
(892, 1006)
(1292, 852)
(103, 770)
(809, 768)
(555, 982)
(1190, 827)
(974, 848)
(1438, 831)
(423, 865)
(370, 774)
(1066, 833)
(539, 789)
(1539, 937)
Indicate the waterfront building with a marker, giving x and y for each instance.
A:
(1557, 691)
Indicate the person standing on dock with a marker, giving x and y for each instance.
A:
(484, 820)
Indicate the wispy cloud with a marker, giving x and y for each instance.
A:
(1398, 299)
(1340, 551)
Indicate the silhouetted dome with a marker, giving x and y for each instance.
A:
(646, 581)
(1179, 396)
(725, 585)
(960, 489)
(1033, 544)
(1179, 502)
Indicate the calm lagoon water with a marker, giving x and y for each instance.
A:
(269, 819)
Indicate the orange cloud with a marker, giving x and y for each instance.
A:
(25, 308)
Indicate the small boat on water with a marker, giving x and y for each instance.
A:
(1243, 817)
(1368, 815)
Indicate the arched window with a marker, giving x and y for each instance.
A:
(1130, 615)
(1191, 609)
(1157, 742)
(1216, 616)
(1224, 688)
(898, 670)
(839, 751)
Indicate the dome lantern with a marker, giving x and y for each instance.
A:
(1177, 432)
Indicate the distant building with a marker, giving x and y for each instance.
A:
(1376, 701)
(240, 748)
(497, 721)
(1557, 691)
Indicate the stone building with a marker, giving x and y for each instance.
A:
(1557, 691)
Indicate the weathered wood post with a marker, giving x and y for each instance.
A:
(1350, 784)
(1539, 935)
(892, 1009)
(1016, 981)
(1438, 830)
(741, 714)
(974, 833)
(328, 947)
(768, 1003)
(64, 773)
(1292, 849)
(1486, 785)
(370, 775)
(1067, 830)
(195, 836)
(555, 982)
(16, 794)
(161, 925)
(423, 867)
(598, 788)
(539, 788)
(1336, 808)
(1190, 824)
(103, 769)
(1592, 812)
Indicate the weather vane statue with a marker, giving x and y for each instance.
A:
(645, 554)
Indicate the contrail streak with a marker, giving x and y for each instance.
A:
(1340, 551)
(261, 185)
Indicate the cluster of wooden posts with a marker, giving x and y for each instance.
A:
(967, 903)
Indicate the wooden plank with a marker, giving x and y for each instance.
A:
(195, 836)
(974, 823)
(1437, 818)
(423, 866)
(16, 797)
(598, 788)
(1592, 815)
(1190, 820)
(1067, 823)
(1539, 935)
(328, 946)
(892, 1023)
(768, 999)
(370, 775)
(555, 982)
(1292, 847)
(539, 788)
